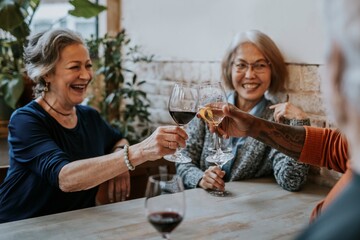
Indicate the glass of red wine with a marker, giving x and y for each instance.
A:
(165, 202)
(182, 108)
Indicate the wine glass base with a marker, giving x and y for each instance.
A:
(165, 235)
(225, 150)
(177, 159)
(218, 193)
(220, 159)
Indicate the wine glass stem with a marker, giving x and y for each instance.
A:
(178, 153)
(178, 149)
(217, 145)
(166, 236)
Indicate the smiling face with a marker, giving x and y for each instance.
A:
(71, 76)
(250, 85)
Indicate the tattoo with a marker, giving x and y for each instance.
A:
(287, 139)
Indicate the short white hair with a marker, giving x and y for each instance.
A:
(343, 25)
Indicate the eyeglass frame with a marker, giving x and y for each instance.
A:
(253, 66)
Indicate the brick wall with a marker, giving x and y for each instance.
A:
(303, 86)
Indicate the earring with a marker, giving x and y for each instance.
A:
(46, 88)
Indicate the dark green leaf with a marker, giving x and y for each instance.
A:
(14, 89)
(141, 82)
(10, 15)
(85, 8)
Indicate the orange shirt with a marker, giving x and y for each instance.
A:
(328, 148)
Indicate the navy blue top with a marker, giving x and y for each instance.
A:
(38, 148)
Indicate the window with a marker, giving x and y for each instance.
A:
(55, 14)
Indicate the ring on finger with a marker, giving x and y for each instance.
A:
(169, 144)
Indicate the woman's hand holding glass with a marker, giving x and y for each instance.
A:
(213, 179)
(163, 141)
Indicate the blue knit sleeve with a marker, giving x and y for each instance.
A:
(192, 172)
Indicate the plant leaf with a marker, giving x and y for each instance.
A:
(85, 8)
(10, 15)
(15, 88)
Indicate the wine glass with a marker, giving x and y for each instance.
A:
(212, 98)
(165, 202)
(225, 144)
(182, 108)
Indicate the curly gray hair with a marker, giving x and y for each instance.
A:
(43, 51)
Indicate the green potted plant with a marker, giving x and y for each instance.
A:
(11, 77)
(123, 103)
(16, 17)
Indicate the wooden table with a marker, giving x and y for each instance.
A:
(257, 209)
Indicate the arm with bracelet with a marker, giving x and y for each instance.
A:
(118, 188)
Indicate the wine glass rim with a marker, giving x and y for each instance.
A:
(185, 84)
(211, 83)
(206, 85)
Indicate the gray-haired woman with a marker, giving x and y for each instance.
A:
(61, 151)
(252, 66)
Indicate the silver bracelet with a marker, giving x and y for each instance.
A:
(126, 158)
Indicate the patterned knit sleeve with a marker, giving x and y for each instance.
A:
(289, 173)
(191, 173)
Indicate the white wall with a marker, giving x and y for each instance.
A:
(200, 30)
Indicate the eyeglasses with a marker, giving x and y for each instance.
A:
(258, 67)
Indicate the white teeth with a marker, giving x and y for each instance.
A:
(250, 85)
(78, 86)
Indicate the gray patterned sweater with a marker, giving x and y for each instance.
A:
(254, 158)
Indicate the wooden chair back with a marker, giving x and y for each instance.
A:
(3, 172)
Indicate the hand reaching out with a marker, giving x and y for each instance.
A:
(287, 110)
(236, 122)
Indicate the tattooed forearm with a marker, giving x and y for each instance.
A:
(287, 139)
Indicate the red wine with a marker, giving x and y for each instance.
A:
(182, 118)
(165, 222)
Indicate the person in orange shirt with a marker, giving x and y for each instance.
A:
(320, 147)
(340, 212)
